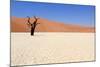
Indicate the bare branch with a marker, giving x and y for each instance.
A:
(28, 25)
(36, 18)
(29, 20)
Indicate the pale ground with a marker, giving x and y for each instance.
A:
(46, 48)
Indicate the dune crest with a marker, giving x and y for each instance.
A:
(20, 25)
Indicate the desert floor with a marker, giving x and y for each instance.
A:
(45, 48)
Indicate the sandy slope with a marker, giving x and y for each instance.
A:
(20, 25)
(51, 48)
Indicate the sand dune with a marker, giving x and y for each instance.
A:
(20, 25)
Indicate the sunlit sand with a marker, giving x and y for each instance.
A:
(46, 48)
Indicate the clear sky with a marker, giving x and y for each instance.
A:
(66, 13)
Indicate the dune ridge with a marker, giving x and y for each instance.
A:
(20, 25)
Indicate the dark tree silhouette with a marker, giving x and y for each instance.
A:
(32, 25)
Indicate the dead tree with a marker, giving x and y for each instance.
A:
(32, 25)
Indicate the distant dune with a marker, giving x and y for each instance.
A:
(20, 25)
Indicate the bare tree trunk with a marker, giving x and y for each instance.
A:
(33, 25)
(32, 31)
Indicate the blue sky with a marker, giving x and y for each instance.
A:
(66, 13)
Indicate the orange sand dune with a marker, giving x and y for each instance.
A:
(20, 25)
